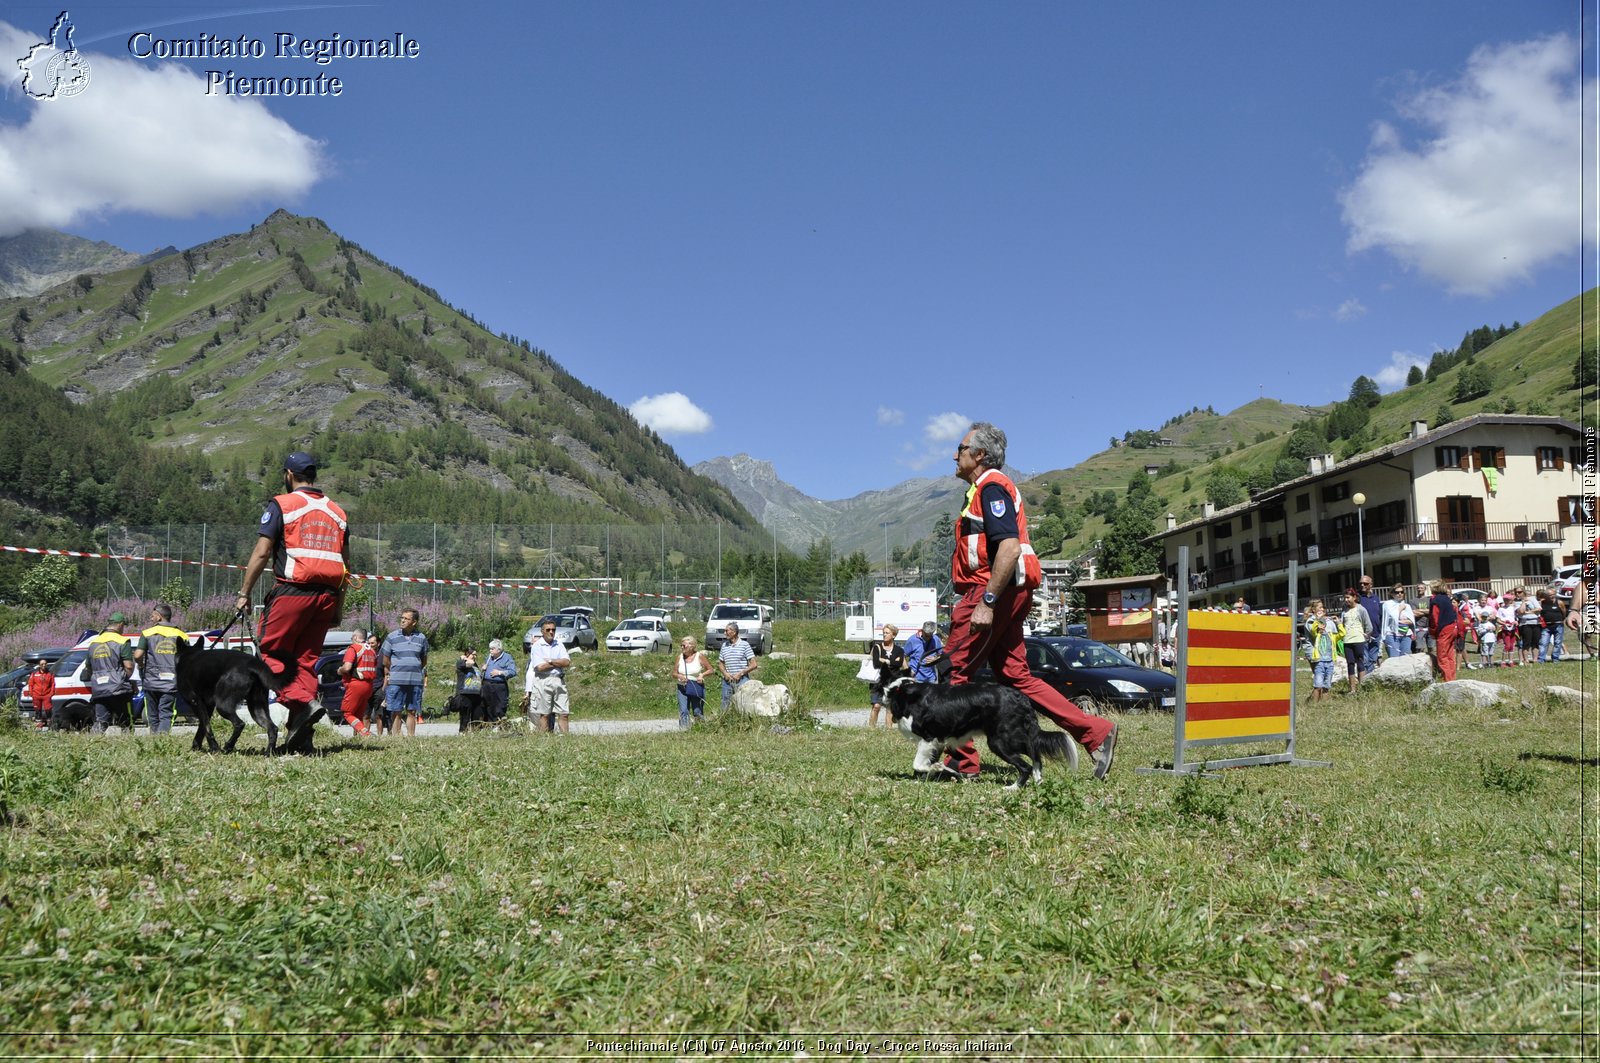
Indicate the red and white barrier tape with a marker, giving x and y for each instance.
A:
(496, 584)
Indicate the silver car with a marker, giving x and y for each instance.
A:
(572, 630)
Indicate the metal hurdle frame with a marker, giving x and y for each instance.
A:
(1180, 710)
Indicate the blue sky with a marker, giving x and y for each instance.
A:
(832, 234)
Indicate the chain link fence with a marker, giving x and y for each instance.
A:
(615, 568)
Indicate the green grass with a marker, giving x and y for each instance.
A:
(1429, 893)
(620, 686)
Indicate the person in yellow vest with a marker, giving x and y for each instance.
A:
(111, 677)
(996, 572)
(157, 658)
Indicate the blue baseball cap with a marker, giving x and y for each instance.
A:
(299, 463)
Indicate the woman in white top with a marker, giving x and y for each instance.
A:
(691, 668)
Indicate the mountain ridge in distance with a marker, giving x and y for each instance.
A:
(910, 508)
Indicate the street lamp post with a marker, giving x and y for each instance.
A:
(1361, 538)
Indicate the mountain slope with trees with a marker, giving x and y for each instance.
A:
(290, 336)
(171, 390)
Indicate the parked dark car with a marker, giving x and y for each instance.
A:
(1085, 670)
(11, 684)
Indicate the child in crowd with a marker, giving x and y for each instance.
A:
(1508, 629)
(1488, 635)
(1529, 624)
(1325, 634)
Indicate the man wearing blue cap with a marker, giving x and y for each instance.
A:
(303, 537)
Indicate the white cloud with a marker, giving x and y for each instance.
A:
(671, 412)
(1393, 376)
(1349, 310)
(1492, 191)
(141, 137)
(946, 427)
(887, 416)
(938, 433)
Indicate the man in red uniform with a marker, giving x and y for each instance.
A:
(42, 692)
(303, 538)
(996, 571)
(359, 669)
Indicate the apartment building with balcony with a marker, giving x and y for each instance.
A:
(1491, 501)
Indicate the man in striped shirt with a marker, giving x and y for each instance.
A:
(735, 661)
(405, 664)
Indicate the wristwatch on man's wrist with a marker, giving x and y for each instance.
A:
(988, 598)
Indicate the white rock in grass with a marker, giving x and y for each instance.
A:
(1411, 670)
(1472, 693)
(854, 658)
(778, 655)
(1564, 696)
(756, 698)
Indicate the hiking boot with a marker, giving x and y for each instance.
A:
(1103, 756)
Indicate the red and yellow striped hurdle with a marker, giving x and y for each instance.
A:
(1239, 678)
(1236, 681)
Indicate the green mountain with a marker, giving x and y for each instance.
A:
(169, 392)
(1201, 455)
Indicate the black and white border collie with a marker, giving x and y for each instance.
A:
(941, 719)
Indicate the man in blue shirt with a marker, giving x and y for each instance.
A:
(923, 652)
(1374, 607)
(405, 664)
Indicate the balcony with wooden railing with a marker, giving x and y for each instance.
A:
(1486, 533)
(1340, 545)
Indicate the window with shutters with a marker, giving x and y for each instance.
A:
(1336, 492)
(1224, 530)
(1447, 457)
(1460, 518)
(1386, 517)
(1489, 456)
(1574, 509)
(1536, 565)
(1386, 576)
(1550, 459)
(1463, 567)
(1302, 503)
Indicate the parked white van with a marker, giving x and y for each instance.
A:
(755, 625)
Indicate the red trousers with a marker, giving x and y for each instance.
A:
(290, 635)
(357, 693)
(1002, 649)
(1445, 647)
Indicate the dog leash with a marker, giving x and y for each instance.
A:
(238, 615)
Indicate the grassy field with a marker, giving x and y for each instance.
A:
(1432, 892)
(620, 686)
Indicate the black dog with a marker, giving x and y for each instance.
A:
(944, 718)
(220, 681)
